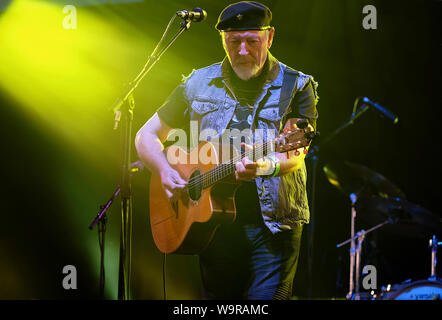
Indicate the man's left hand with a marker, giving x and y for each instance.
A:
(247, 169)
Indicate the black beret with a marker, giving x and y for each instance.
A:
(244, 15)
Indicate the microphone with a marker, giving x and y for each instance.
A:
(384, 111)
(196, 15)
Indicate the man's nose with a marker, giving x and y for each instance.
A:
(243, 50)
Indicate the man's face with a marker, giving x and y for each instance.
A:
(247, 50)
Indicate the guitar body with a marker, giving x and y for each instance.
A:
(187, 223)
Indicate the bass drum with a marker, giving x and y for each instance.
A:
(418, 290)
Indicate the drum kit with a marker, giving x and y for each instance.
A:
(382, 204)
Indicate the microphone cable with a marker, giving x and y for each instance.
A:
(164, 276)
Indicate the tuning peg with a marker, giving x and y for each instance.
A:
(302, 123)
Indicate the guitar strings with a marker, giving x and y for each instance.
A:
(207, 177)
(222, 170)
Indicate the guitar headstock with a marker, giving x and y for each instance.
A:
(299, 137)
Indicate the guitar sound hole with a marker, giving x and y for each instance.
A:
(195, 186)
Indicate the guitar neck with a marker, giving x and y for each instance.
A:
(225, 169)
(288, 140)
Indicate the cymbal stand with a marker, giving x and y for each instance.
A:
(433, 245)
(312, 159)
(353, 199)
(355, 257)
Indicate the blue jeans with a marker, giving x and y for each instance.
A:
(246, 261)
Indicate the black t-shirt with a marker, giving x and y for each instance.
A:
(172, 112)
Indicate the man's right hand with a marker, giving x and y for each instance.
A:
(172, 182)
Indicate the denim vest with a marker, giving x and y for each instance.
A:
(283, 200)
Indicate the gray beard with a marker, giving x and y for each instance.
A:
(245, 74)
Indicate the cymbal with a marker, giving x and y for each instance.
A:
(407, 219)
(355, 178)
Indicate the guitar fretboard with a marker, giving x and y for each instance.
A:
(225, 169)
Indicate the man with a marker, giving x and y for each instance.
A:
(256, 256)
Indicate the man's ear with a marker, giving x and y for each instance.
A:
(223, 40)
(270, 38)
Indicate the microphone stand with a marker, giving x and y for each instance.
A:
(355, 115)
(124, 109)
(313, 157)
(101, 218)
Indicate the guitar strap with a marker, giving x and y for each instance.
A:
(287, 91)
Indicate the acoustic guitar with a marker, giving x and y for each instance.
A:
(186, 223)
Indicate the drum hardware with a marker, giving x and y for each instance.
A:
(379, 202)
(355, 181)
(355, 254)
(355, 178)
(433, 245)
(416, 290)
(402, 218)
(312, 160)
(412, 220)
(430, 289)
